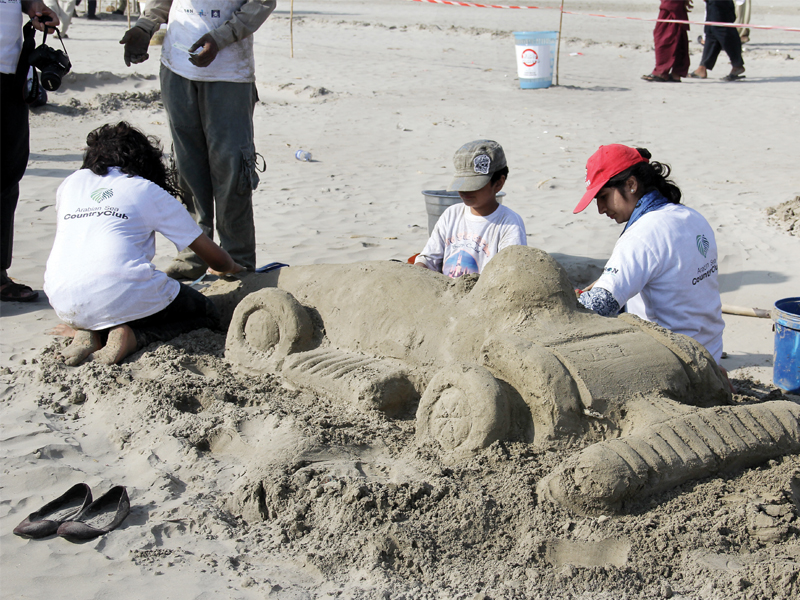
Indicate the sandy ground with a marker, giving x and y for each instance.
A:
(381, 93)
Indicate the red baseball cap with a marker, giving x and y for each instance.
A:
(603, 165)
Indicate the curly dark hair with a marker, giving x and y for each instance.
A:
(133, 152)
(651, 176)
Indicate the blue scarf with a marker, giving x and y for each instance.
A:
(650, 201)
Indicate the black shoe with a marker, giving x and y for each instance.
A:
(47, 519)
(100, 517)
(93, 17)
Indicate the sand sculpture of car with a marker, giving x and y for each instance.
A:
(510, 355)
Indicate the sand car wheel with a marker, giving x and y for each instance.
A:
(266, 327)
(464, 409)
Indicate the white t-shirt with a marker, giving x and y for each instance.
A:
(463, 243)
(10, 35)
(665, 269)
(189, 20)
(100, 273)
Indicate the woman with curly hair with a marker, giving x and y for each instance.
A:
(664, 265)
(100, 278)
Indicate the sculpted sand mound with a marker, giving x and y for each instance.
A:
(509, 356)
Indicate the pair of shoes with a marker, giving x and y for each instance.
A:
(93, 17)
(74, 516)
(180, 269)
(655, 77)
(17, 292)
(695, 75)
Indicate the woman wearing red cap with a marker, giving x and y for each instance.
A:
(664, 265)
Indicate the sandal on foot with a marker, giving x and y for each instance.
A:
(696, 75)
(654, 77)
(17, 292)
(732, 77)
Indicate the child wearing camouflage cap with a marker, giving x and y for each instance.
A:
(468, 235)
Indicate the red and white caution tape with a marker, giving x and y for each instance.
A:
(569, 12)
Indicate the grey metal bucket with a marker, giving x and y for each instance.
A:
(437, 201)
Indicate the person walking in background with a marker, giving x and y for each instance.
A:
(721, 38)
(209, 92)
(671, 42)
(14, 144)
(743, 18)
(64, 10)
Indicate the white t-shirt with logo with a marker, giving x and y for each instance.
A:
(10, 35)
(188, 21)
(463, 243)
(100, 271)
(665, 269)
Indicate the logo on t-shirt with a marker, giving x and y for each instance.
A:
(215, 14)
(703, 244)
(101, 194)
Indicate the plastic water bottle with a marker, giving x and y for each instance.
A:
(303, 155)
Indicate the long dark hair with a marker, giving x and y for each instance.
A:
(133, 152)
(651, 176)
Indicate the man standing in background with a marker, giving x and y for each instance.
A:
(209, 93)
(14, 144)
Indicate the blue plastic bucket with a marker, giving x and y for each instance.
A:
(786, 366)
(536, 53)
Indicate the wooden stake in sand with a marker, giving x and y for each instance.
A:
(745, 311)
(291, 29)
(558, 46)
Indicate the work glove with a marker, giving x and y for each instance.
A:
(207, 55)
(136, 41)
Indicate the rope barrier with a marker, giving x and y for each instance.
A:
(568, 12)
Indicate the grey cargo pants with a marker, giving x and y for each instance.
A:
(212, 130)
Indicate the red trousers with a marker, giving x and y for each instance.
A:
(672, 40)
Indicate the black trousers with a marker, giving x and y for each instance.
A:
(14, 148)
(721, 38)
(189, 311)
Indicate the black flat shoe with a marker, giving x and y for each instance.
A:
(100, 517)
(47, 519)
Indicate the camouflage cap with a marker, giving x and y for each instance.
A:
(475, 164)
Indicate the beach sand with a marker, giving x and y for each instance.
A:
(382, 93)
